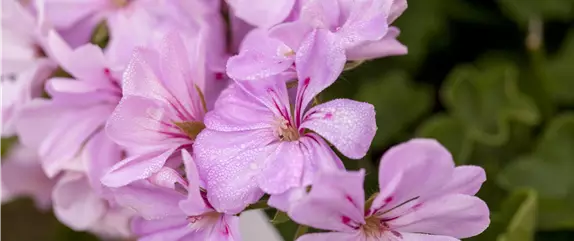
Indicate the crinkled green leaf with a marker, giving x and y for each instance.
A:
(398, 103)
(523, 10)
(519, 210)
(451, 133)
(549, 170)
(560, 72)
(280, 217)
(486, 99)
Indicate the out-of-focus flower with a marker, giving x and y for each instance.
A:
(25, 66)
(22, 176)
(254, 143)
(362, 28)
(422, 197)
(263, 13)
(161, 110)
(174, 208)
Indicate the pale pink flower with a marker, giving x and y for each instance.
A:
(174, 208)
(162, 107)
(25, 66)
(253, 143)
(362, 28)
(422, 197)
(22, 176)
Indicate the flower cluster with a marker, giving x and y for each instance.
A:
(183, 121)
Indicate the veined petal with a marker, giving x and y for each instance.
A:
(142, 227)
(283, 169)
(335, 202)
(291, 34)
(416, 169)
(141, 122)
(465, 180)
(319, 157)
(137, 167)
(320, 61)
(271, 92)
(284, 200)
(226, 229)
(235, 110)
(99, 155)
(367, 21)
(229, 163)
(418, 237)
(347, 124)
(455, 215)
(321, 14)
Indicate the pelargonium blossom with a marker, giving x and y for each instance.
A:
(263, 13)
(175, 208)
(25, 66)
(67, 133)
(422, 197)
(254, 143)
(362, 28)
(161, 110)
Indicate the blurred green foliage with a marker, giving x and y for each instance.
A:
(493, 80)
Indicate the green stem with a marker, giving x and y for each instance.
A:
(302, 229)
(258, 205)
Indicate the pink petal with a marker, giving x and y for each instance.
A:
(291, 34)
(261, 56)
(465, 180)
(283, 169)
(367, 21)
(333, 236)
(321, 14)
(347, 124)
(271, 92)
(139, 122)
(30, 133)
(75, 204)
(414, 169)
(335, 202)
(262, 13)
(86, 62)
(284, 200)
(397, 8)
(99, 155)
(141, 77)
(423, 237)
(67, 138)
(150, 201)
(143, 227)
(387, 46)
(137, 167)
(320, 61)
(226, 229)
(229, 163)
(235, 110)
(194, 204)
(319, 157)
(64, 13)
(455, 215)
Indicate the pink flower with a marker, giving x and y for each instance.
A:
(361, 28)
(422, 197)
(59, 127)
(25, 66)
(22, 176)
(174, 208)
(161, 110)
(254, 143)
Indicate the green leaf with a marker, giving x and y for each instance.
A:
(548, 170)
(486, 98)
(100, 35)
(523, 10)
(451, 133)
(280, 217)
(520, 209)
(560, 77)
(398, 102)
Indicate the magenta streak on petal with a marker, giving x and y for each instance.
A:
(300, 102)
(347, 221)
(282, 110)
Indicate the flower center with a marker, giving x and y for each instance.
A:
(204, 220)
(286, 132)
(374, 227)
